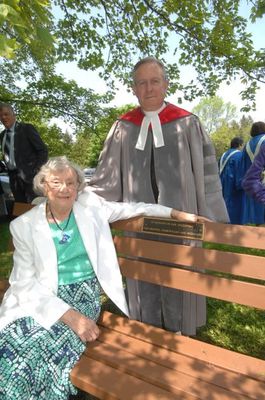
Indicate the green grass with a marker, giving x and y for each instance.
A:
(5, 254)
(234, 327)
(231, 326)
(234, 249)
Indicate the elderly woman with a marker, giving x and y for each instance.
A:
(63, 254)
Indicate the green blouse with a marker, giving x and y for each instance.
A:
(72, 259)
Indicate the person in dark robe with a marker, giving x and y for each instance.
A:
(160, 153)
(253, 182)
(253, 212)
(228, 166)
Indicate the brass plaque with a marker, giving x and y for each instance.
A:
(186, 230)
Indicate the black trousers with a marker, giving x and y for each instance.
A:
(22, 191)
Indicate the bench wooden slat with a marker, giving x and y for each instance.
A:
(18, 209)
(244, 293)
(209, 354)
(211, 378)
(107, 382)
(197, 258)
(125, 354)
(21, 208)
(234, 235)
(156, 373)
(4, 284)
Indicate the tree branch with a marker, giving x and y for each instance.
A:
(74, 116)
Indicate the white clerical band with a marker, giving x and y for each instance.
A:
(151, 117)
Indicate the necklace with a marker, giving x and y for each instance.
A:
(65, 237)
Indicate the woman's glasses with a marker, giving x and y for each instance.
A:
(58, 185)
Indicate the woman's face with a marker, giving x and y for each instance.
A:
(61, 188)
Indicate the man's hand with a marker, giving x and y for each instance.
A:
(84, 327)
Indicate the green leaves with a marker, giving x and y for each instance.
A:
(24, 24)
(213, 113)
(7, 47)
(257, 10)
(208, 36)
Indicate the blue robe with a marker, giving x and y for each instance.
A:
(252, 211)
(253, 183)
(232, 196)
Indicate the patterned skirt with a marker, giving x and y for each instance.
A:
(35, 363)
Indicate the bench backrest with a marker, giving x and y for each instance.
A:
(18, 209)
(233, 271)
(21, 208)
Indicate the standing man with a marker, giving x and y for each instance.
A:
(159, 153)
(229, 167)
(253, 182)
(253, 212)
(3, 209)
(24, 153)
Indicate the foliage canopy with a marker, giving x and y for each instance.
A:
(210, 36)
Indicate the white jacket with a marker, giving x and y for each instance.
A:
(34, 278)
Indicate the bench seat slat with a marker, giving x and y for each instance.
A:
(244, 293)
(210, 354)
(211, 378)
(174, 381)
(106, 382)
(197, 258)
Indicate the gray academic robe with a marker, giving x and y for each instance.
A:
(187, 179)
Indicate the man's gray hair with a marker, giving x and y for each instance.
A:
(149, 60)
(57, 164)
(8, 106)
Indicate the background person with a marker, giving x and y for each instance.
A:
(64, 252)
(253, 182)
(24, 153)
(159, 153)
(3, 209)
(253, 212)
(228, 167)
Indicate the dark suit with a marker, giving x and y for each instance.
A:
(30, 154)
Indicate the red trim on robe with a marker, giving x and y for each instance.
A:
(168, 114)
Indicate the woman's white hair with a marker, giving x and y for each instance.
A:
(57, 164)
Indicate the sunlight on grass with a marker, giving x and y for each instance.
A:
(5, 255)
(235, 327)
(5, 264)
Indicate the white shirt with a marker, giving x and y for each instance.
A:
(151, 118)
(10, 158)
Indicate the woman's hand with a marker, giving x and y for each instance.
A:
(183, 216)
(84, 327)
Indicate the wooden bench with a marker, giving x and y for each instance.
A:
(133, 360)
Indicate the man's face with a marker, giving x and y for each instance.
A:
(7, 117)
(150, 86)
